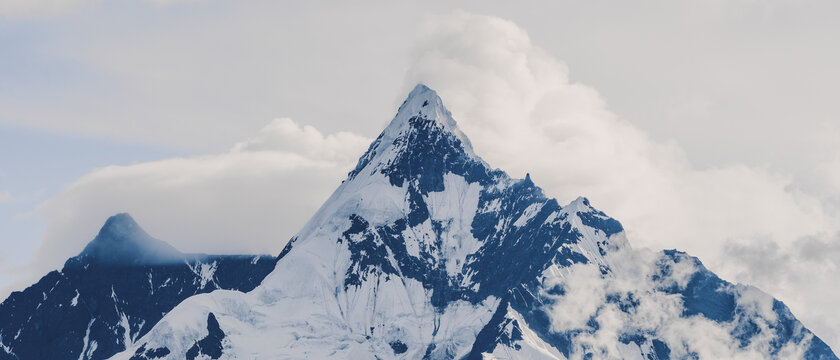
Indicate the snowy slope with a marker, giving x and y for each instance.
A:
(424, 251)
(112, 293)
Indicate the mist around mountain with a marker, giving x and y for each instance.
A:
(425, 251)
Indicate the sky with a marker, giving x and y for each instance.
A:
(705, 126)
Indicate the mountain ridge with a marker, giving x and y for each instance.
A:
(426, 252)
(109, 295)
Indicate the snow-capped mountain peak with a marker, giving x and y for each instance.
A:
(421, 102)
(421, 126)
(413, 253)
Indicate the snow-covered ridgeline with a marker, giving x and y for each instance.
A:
(424, 251)
(393, 263)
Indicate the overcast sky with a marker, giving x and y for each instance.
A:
(707, 126)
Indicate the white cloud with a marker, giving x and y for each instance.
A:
(803, 274)
(637, 276)
(523, 114)
(251, 199)
(5, 197)
(287, 136)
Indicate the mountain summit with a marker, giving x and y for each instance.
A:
(422, 103)
(425, 252)
(122, 241)
(421, 128)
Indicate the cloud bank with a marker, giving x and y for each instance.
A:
(251, 199)
(523, 114)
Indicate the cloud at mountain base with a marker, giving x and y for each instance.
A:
(803, 273)
(632, 301)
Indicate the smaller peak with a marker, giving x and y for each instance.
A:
(121, 223)
(581, 204)
(528, 179)
(122, 241)
(585, 201)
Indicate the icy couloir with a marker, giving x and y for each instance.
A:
(424, 251)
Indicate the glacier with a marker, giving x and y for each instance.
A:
(426, 252)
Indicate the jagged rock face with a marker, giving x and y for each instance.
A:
(424, 252)
(408, 258)
(476, 225)
(113, 293)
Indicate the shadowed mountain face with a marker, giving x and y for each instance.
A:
(122, 242)
(113, 292)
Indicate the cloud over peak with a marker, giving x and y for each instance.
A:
(523, 114)
(250, 199)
